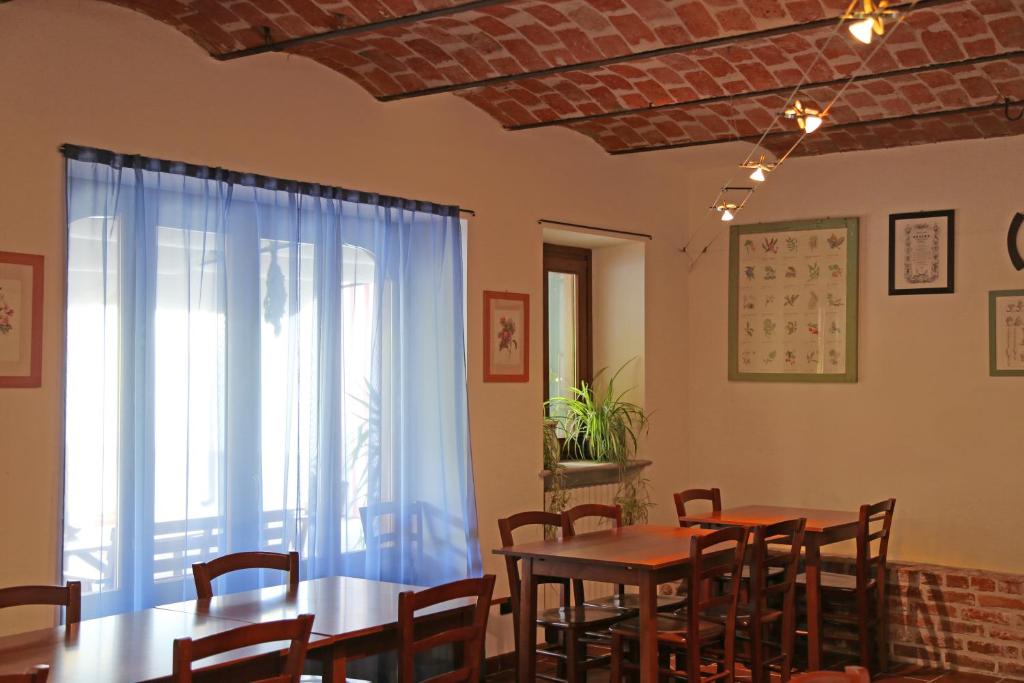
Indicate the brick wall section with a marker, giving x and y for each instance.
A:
(958, 619)
(527, 35)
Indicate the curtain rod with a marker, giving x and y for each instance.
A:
(116, 159)
(594, 227)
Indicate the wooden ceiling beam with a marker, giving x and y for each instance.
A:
(824, 129)
(784, 90)
(647, 54)
(371, 27)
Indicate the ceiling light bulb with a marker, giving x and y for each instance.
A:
(862, 30)
(758, 175)
(812, 123)
(727, 215)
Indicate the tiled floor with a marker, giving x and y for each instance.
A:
(901, 673)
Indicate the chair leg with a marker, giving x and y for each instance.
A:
(616, 665)
(882, 632)
(758, 674)
(864, 632)
(572, 661)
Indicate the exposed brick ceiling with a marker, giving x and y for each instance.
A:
(638, 75)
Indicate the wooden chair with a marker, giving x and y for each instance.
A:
(620, 600)
(865, 590)
(68, 596)
(469, 638)
(569, 623)
(297, 630)
(205, 572)
(394, 531)
(713, 496)
(769, 602)
(38, 674)
(687, 638)
(852, 674)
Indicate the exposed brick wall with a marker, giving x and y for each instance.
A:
(528, 35)
(950, 618)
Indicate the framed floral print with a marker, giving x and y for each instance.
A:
(793, 301)
(506, 337)
(921, 252)
(1006, 333)
(21, 320)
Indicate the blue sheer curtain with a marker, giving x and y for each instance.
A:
(259, 364)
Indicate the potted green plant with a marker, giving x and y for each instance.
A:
(605, 427)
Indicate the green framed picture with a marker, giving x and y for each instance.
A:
(1006, 333)
(793, 301)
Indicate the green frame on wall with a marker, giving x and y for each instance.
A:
(851, 226)
(993, 370)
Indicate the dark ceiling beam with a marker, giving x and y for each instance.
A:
(823, 129)
(647, 54)
(784, 90)
(357, 30)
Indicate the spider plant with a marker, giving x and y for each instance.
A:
(602, 428)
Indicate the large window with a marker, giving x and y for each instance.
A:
(256, 369)
(568, 351)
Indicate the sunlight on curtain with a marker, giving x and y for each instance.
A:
(562, 316)
(259, 368)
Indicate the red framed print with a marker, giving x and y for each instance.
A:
(21, 320)
(506, 337)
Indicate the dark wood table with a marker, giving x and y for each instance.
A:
(123, 648)
(353, 617)
(823, 527)
(642, 556)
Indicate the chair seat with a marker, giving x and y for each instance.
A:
(835, 582)
(671, 629)
(631, 601)
(773, 572)
(744, 614)
(585, 616)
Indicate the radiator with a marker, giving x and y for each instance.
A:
(597, 493)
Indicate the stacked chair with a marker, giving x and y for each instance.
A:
(855, 608)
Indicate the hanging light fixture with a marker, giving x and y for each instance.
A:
(807, 118)
(759, 168)
(727, 209)
(870, 20)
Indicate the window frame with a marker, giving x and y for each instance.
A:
(576, 261)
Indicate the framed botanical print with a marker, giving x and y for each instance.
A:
(506, 337)
(793, 301)
(21, 320)
(921, 256)
(1006, 333)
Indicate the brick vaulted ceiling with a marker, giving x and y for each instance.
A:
(641, 75)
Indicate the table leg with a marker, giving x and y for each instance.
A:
(527, 622)
(813, 573)
(334, 668)
(648, 633)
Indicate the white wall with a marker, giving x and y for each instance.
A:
(89, 73)
(925, 423)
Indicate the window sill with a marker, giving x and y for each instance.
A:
(580, 473)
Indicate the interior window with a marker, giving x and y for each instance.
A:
(568, 352)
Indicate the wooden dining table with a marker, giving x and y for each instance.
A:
(353, 618)
(642, 555)
(126, 648)
(824, 527)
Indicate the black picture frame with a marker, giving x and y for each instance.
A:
(948, 285)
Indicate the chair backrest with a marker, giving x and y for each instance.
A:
(297, 630)
(470, 636)
(713, 496)
(873, 528)
(785, 539)
(69, 596)
(387, 525)
(205, 572)
(852, 674)
(574, 514)
(704, 569)
(38, 674)
(506, 528)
